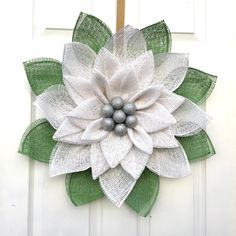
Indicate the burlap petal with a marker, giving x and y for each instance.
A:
(55, 103)
(171, 162)
(164, 139)
(124, 82)
(144, 68)
(190, 119)
(141, 139)
(100, 87)
(70, 132)
(94, 132)
(97, 160)
(170, 101)
(106, 63)
(155, 118)
(127, 44)
(79, 88)
(115, 148)
(135, 161)
(78, 59)
(67, 158)
(116, 184)
(146, 97)
(170, 69)
(89, 109)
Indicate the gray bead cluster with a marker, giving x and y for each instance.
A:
(118, 116)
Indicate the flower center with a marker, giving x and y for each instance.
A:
(118, 116)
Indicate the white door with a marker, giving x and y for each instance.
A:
(31, 203)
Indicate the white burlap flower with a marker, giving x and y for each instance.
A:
(123, 69)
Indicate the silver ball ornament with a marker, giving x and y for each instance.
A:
(117, 102)
(119, 116)
(120, 130)
(107, 110)
(108, 124)
(131, 121)
(129, 108)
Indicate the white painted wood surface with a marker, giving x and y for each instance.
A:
(33, 204)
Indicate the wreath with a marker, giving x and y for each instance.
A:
(119, 111)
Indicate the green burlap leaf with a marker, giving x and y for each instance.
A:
(43, 73)
(82, 188)
(37, 142)
(91, 31)
(198, 146)
(197, 85)
(144, 193)
(158, 37)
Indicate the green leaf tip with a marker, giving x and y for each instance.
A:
(82, 188)
(144, 194)
(198, 146)
(197, 85)
(158, 37)
(91, 31)
(43, 73)
(37, 142)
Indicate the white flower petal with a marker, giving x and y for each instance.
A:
(190, 119)
(164, 139)
(141, 139)
(123, 83)
(80, 124)
(89, 109)
(94, 132)
(55, 103)
(127, 44)
(106, 63)
(170, 101)
(155, 118)
(115, 148)
(146, 97)
(185, 128)
(100, 87)
(78, 60)
(170, 69)
(144, 68)
(78, 88)
(70, 132)
(66, 158)
(116, 184)
(171, 163)
(97, 160)
(134, 163)
(77, 64)
(83, 123)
